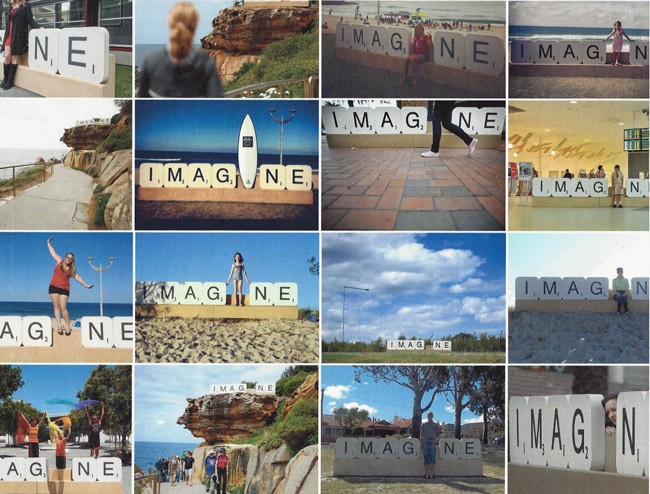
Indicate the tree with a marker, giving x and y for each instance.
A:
(314, 266)
(488, 398)
(112, 385)
(420, 379)
(349, 418)
(9, 417)
(293, 370)
(462, 382)
(10, 380)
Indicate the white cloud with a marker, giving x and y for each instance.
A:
(470, 284)
(354, 404)
(473, 420)
(331, 404)
(337, 392)
(160, 422)
(450, 408)
(485, 310)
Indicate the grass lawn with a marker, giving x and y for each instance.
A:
(492, 481)
(123, 81)
(412, 356)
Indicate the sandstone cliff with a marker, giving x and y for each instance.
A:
(308, 389)
(266, 472)
(240, 34)
(222, 418)
(111, 170)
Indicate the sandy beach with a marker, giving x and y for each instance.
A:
(219, 340)
(496, 29)
(74, 451)
(577, 337)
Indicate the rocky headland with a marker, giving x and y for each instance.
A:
(92, 152)
(220, 419)
(240, 34)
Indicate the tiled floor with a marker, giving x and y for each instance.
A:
(522, 216)
(397, 189)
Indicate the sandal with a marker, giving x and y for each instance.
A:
(68, 331)
(58, 328)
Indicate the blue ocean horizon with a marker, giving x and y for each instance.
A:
(561, 33)
(216, 157)
(76, 309)
(148, 452)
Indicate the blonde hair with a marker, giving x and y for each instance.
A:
(419, 27)
(182, 21)
(21, 2)
(72, 270)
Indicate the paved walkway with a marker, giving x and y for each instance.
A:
(57, 204)
(397, 189)
(17, 92)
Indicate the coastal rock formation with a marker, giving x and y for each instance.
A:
(86, 137)
(266, 472)
(308, 389)
(240, 34)
(223, 418)
(250, 30)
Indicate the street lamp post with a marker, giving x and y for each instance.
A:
(101, 270)
(349, 288)
(282, 121)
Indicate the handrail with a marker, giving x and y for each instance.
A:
(151, 478)
(13, 172)
(310, 83)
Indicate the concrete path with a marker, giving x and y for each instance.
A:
(181, 488)
(57, 204)
(397, 189)
(17, 92)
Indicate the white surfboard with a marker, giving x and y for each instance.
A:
(247, 152)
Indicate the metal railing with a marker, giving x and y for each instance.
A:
(310, 87)
(13, 173)
(148, 483)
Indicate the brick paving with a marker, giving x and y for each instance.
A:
(397, 189)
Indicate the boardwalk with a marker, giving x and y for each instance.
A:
(397, 189)
(57, 204)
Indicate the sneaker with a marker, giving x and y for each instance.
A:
(620, 205)
(613, 205)
(430, 154)
(472, 147)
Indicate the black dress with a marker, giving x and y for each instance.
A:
(21, 20)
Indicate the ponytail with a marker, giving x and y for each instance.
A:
(183, 19)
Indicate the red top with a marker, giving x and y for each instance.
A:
(60, 447)
(11, 26)
(60, 279)
(222, 461)
(420, 45)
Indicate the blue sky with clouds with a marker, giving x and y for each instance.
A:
(208, 257)
(420, 285)
(382, 400)
(26, 265)
(161, 390)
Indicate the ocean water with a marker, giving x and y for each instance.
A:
(76, 309)
(559, 33)
(141, 52)
(147, 453)
(10, 157)
(471, 11)
(194, 157)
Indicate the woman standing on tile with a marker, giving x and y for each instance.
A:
(59, 289)
(18, 21)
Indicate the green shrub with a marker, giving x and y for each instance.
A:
(116, 118)
(116, 140)
(300, 427)
(287, 385)
(101, 200)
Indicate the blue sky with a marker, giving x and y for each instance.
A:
(595, 254)
(382, 400)
(26, 265)
(151, 19)
(213, 126)
(49, 382)
(268, 257)
(420, 285)
(161, 391)
(579, 14)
